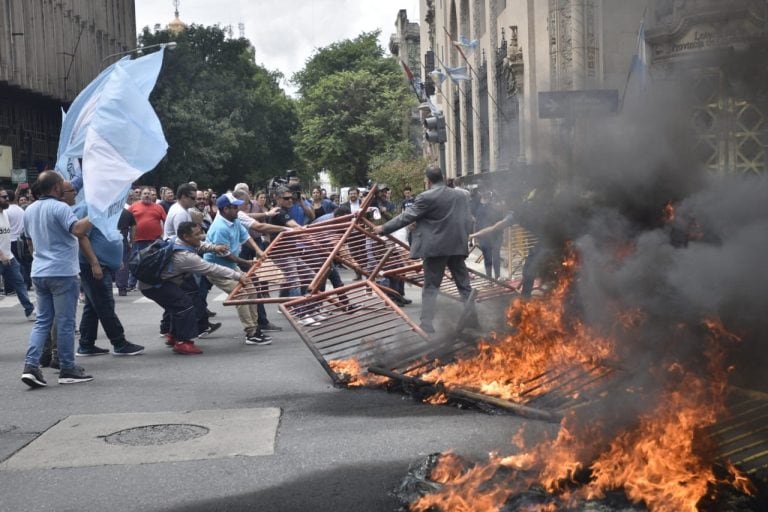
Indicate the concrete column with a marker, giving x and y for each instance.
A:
(494, 118)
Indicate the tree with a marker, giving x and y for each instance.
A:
(354, 105)
(226, 118)
(398, 168)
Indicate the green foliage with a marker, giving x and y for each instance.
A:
(398, 167)
(354, 106)
(226, 118)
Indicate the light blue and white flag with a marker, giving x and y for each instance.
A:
(467, 45)
(459, 74)
(437, 76)
(114, 129)
(638, 75)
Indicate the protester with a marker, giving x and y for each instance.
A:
(149, 223)
(199, 212)
(166, 198)
(178, 292)
(99, 304)
(51, 225)
(228, 231)
(487, 213)
(186, 196)
(126, 224)
(10, 270)
(440, 239)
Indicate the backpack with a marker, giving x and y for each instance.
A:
(149, 263)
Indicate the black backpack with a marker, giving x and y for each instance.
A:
(150, 262)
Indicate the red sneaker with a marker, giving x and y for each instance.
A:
(170, 341)
(186, 348)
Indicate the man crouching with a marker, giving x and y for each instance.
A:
(178, 291)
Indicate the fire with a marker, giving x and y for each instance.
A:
(658, 460)
(547, 338)
(353, 375)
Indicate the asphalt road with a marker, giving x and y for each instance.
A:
(335, 449)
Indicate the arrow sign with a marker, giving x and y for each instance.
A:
(573, 104)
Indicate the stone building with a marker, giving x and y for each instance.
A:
(542, 67)
(49, 51)
(718, 52)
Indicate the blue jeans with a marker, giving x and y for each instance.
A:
(99, 307)
(12, 275)
(56, 299)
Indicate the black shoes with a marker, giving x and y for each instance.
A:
(74, 375)
(33, 377)
(258, 338)
(208, 330)
(128, 349)
(93, 350)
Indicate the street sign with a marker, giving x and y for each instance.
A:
(573, 104)
(19, 176)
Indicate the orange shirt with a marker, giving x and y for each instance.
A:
(148, 220)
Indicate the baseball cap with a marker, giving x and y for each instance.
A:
(228, 199)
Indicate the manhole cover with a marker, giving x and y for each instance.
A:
(152, 435)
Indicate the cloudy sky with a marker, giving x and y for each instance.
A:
(284, 32)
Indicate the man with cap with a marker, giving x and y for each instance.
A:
(227, 230)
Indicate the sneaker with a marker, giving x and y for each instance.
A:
(91, 351)
(186, 348)
(122, 292)
(74, 375)
(33, 377)
(270, 328)
(320, 318)
(307, 321)
(32, 316)
(210, 313)
(128, 349)
(208, 330)
(169, 340)
(257, 339)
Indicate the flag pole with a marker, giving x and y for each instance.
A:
(635, 58)
(471, 105)
(461, 52)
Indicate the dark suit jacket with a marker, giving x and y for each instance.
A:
(443, 222)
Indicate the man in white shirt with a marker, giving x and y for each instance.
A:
(177, 213)
(16, 220)
(9, 267)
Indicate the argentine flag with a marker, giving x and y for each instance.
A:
(113, 128)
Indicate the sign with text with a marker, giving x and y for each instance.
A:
(573, 104)
(6, 161)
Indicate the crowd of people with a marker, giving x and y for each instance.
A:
(215, 240)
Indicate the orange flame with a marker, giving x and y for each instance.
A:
(546, 339)
(658, 461)
(352, 374)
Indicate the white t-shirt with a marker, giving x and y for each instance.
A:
(16, 219)
(176, 215)
(5, 235)
(354, 206)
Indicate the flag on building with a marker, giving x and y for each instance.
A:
(460, 74)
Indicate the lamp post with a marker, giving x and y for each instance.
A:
(140, 49)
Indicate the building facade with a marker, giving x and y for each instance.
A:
(49, 51)
(532, 54)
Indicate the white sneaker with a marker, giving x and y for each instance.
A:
(32, 316)
(307, 321)
(320, 318)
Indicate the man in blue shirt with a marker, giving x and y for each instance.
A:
(99, 301)
(55, 234)
(227, 230)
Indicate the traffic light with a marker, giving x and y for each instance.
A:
(435, 129)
